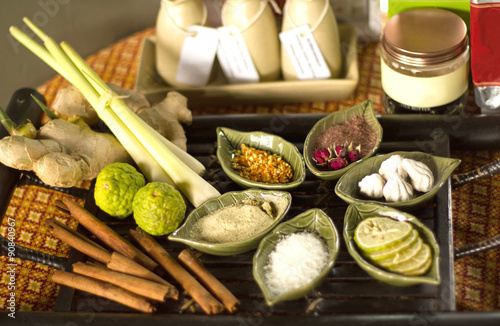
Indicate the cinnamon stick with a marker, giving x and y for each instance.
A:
(114, 261)
(78, 241)
(107, 235)
(126, 265)
(146, 288)
(207, 302)
(211, 282)
(103, 289)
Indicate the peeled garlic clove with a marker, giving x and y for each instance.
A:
(396, 189)
(393, 165)
(421, 176)
(372, 185)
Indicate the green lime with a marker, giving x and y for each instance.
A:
(389, 253)
(376, 233)
(115, 189)
(416, 263)
(403, 255)
(158, 208)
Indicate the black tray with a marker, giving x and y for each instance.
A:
(348, 295)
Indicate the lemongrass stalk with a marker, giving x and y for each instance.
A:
(139, 154)
(37, 49)
(103, 89)
(192, 185)
(196, 189)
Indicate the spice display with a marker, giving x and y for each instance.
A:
(233, 223)
(295, 261)
(393, 245)
(344, 143)
(261, 166)
(396, 180)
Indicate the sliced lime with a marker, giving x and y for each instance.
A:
(404, 255)
(421, 271)
(378, 233)
(388, 253)
(415, 264)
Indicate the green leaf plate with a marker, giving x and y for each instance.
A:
(357, 212)
(229, 139)
(347, 187)
(313, 220)
(281, 200)
(366, 109)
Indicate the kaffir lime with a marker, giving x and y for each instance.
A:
(115, 188)
(158, 208)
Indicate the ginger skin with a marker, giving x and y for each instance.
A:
(64, 153)
(166, 117)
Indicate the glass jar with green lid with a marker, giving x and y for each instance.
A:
(425, 62)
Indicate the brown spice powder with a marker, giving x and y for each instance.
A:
(356, 130)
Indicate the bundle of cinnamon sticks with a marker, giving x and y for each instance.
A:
(129, 276)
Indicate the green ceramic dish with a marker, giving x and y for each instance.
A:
(366, 109)
(229, 139)
(347, 187)
(358, 212)
(313, 220)
(281, 200)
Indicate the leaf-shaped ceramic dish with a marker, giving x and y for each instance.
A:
(357, 212)
(365, 109)
(313, 220)
(281, 201)
(229, 140)
(347, 187)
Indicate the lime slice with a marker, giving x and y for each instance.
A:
(378, 233)
(415, 264)
(388, 253)
(420, 271)
(404, 255)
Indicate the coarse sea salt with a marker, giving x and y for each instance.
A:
(295, 261)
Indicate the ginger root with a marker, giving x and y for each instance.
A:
(166, 117)
(64, 153)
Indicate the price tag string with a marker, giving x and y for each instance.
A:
(320, 20)
(263, 6)
(180, 28)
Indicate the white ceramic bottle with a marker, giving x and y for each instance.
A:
(319, 15)
(174, 17)
(256, 22)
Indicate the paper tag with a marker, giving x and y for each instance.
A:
(234, 58)
(304, 53)
(197, 55)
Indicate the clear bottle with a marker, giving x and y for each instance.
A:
(425, 62)
(319, 15)
(257, 24)
(174, 17)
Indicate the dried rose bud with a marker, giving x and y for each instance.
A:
(337, 163)
(353, 156)
(340, 151)
(321, 156)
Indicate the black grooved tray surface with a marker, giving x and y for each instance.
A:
(347, 291)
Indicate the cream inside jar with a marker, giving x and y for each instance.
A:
(425, 62)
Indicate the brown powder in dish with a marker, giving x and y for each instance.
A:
(356, 130)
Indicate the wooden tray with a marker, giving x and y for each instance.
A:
(218, 92)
